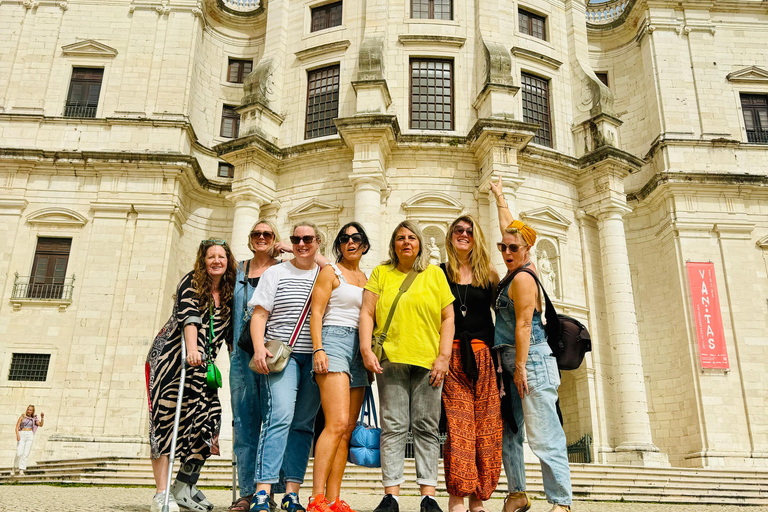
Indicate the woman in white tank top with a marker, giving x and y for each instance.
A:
(337, 364)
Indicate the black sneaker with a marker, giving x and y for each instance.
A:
(388, 504)
(429, 504)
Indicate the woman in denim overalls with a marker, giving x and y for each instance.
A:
(525, 354)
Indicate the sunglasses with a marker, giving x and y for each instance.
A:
(355, 237)
(266, 235)
(307, 239)
(213, 241)
(512, 247)
(458, 230)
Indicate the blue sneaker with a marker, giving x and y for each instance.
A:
(260, 502)
(291, 503)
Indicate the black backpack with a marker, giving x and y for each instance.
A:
(567, 337)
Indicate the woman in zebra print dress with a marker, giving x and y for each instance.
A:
(202, 308)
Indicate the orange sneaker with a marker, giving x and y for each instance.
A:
(318, 504)
(339, 505)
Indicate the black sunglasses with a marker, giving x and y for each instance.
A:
(512, 247)
(213, 241)
(267, 235)
(307, 239)
(459, 230)
(355, 237)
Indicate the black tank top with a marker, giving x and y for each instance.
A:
(477, 302)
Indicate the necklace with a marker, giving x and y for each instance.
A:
(463, 308)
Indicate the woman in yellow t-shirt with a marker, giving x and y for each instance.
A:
(417, 353)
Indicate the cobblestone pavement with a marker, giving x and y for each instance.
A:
(46, 498)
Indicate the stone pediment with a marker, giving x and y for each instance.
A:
(434, 206)
(763, 243)
(315, 208)
(547, 221)
(58, 217)
(89, 48)
(750, 74)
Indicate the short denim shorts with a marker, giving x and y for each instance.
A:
(342, 346)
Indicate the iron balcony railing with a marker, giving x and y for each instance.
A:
(242, 5)
(757, 137)
(79, 111)
(45, 288)
(580, 452)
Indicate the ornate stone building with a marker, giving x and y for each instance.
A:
(632, 134)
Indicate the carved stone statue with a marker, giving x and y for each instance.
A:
(434, 252)
(548, 276)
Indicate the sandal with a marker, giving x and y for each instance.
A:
(514, 495)
(242, 504)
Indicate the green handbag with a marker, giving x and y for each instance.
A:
(212, 375)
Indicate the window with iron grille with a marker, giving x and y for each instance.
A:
(49, 268)
(431, 94)
(432, 9)
(531, 24)
(29, 367)
(238, 69)
(326, 16)
(755, 108)
(226, 170)
(536, 107)
(230, 122)
(603, 77)
(84, 90)
(322, 101)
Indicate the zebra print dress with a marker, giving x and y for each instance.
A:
(200, 421)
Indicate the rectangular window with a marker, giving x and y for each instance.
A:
(230, 122)
(755, 108)
(226, 170)
(536, 107)
(49, 268)
(603, 77)
(531, 24)
(432, 9)
(238, 69)
(326, 16)
(322, 101)
(431, 94)
(84, 90)
(29, 367)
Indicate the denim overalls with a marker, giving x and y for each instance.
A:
(537, 411)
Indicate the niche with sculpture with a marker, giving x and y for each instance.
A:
(548, 265)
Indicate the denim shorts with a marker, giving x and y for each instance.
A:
(342, 346)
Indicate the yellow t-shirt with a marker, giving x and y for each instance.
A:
(414, 334)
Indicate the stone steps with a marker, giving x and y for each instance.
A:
(590, 481)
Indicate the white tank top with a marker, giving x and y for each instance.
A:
(343, 307)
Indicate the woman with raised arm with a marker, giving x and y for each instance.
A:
(202, 310)
(525, 354)
(417, 352)
(472, 457)
(292, 399)
(26, 428)
(338, 366)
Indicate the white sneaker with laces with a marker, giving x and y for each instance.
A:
(159, 500)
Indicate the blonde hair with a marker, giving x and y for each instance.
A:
(308, 224)
(479, 257)
(422, 258)
(273, 252)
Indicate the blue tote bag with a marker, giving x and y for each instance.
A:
(364, 446)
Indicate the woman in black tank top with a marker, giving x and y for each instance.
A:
(470, 395)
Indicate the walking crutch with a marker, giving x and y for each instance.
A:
(176, 419)
(234, 465)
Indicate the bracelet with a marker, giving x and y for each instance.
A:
(503, 206)
(318, 350)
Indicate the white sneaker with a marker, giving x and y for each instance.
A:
(159, 500)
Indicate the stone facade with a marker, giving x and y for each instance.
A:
(643, 175)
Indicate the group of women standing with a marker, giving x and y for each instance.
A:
(439, 340)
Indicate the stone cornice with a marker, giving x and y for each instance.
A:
(691, 178)
(536, 57)
(323, 49)
(431, 40)
(609, 152)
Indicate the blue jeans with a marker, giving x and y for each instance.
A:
(244, 387)
(537, 413)
(290, 401)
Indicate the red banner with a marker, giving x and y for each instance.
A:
(706, 315)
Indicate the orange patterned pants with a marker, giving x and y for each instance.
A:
(473, 412)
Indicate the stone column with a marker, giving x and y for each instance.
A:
(246, 212)
(635, 427)
(368, 213)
